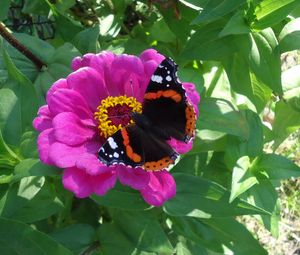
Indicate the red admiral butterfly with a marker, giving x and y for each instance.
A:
(166, 113)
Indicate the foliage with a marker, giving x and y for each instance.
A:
(230, 49)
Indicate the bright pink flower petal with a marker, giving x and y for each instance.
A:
(88, 82)
(65, 156)
(83, 185)
(44, 119)
(124, 69)
(71, 130)
(104, 182)
(91, 164)
(161, 188)
(193, 95)
(60, 84)
(152, 54)
(180, 146)
(136, 178)
(66, 100)
(78, 182)
(44, 141)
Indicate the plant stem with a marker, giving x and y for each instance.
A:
(20, 47)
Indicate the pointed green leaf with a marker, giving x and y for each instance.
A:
(242, 178)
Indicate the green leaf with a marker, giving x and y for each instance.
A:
(216, 9)
(8, 159)
(289, 37)
(242, 178)
(75, 237)
(22, 199)
(19, 238)
(4, 9)
(188, 247)
(110, 26)
(197, 197)
(236, 25)
(144, 233)
(224, 235)
(275, 167)
(58, 66)
(38, 47)
(34, 167)
(265, 196)
(28, 148)
(122, 197)
(86, 41)
(245, 82)
(287, 121)
(160, 32)
(271, 12)
(182, 27)
(251, 147)
(23, 89)
(35, 7)
(219, 115)
(206, 44)
(207, 140)
(265, 59)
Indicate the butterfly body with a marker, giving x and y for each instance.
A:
(166, 114)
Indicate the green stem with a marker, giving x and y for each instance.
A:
(20, 47)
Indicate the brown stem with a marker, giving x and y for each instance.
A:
(20, 47)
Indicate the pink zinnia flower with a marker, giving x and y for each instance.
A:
(73, 129)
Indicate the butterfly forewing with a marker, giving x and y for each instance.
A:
(166, 104)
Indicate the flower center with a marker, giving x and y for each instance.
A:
(114, 113)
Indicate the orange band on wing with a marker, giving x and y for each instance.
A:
(129, 151)
(158, 165)
(164, 93)
(190, 120)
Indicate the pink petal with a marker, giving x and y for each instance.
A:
(65, 156)
(192, 94)
(91, 164)
(71, 130)
(60, 84)
(123, 69)
(104, 182)
(44, 119)
(151, 54)
(66, 100)
(89, 83)
(78, 182)
(136, 178)
(44, 141)
(82, 184)
(180, 146)
(161, 188)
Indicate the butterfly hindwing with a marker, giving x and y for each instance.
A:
(134, 147)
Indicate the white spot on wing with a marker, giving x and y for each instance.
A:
(116, 155)
(168, 78)
(112, 143)
(168, 85)
(156, 78)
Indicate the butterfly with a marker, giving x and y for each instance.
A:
(166, 114)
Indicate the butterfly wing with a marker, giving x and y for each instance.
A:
(134, 147)
(166, 105)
